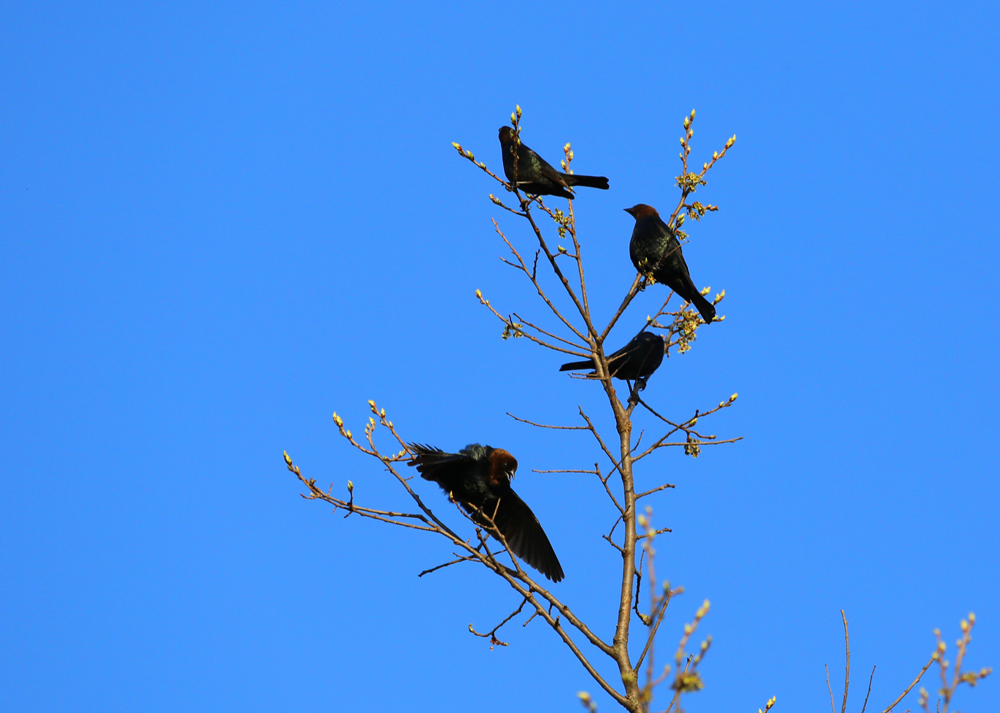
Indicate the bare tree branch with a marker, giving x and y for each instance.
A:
(654, 490)
(543, 425)
(847, 672)
(491, 635)
(909, 688)
(869, 690)
(446, 564)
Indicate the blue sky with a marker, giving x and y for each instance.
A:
(223, 222)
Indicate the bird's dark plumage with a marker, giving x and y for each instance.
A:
(636, 360)
(535, 175)
(478, 477)
(655, 250)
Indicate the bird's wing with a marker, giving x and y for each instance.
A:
(525, 536)
(539, 164)
(552, 174)
(627, 350)
(627, 357)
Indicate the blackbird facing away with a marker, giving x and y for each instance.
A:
(636, 360)
(478, 477)
(535, 175)
(655, 249)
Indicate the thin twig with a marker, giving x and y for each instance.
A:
(533, 278)
(604, 482)
(446, 564)
(548, 334)
(847, 673)
(655, 490)
(652, 634)
(584, 312)
(544, 425)
(654, 533)
(832, 704)
(687, 426)
(593, 430)
(902, 695)
(517, 329)
(629, 296)
(869, 690)
(638, 587)
(613, 544)
(491, 635)
(660, 444)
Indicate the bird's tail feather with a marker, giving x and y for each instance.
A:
(587, 181)
(705, 308)
(577, 365)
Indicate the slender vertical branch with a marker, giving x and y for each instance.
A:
(847, 673)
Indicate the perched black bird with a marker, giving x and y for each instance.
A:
(535, 175)
(478, 477)
(655, 249)
(636, 360)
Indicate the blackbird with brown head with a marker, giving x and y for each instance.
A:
(655, 250)
(478, 478)
(636, 360)
(535, 175)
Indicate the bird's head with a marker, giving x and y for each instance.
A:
(641, 210)
(506, 133)
(649, 339)
(502, 464)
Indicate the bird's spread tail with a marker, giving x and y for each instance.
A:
(429, 460)
(705, 308)
(587, 181)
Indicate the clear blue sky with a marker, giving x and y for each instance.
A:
(222, 222)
